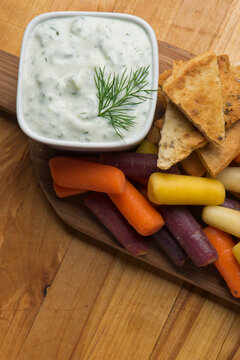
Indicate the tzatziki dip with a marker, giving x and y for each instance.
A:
(59, 93)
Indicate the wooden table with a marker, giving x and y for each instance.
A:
(62, 295)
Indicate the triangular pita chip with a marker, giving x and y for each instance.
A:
(230, 85)
(179, 137)
(216, 158)
(195, 88)
(164, 76)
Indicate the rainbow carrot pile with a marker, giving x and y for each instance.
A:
(72, 176)
(127, 212)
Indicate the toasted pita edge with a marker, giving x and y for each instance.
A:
(173, 89)
(230, 86)
(217, 158)
(179, 137)
(161, 96)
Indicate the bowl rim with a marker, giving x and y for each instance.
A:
(80, 145)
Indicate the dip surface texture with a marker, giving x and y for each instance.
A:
(58, 89)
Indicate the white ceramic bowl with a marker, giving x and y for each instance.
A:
(80, 145)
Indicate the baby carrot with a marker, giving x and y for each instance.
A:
(107, 213)
(230, 177)
(236, 252)
(147, 147)
(172, 189)
(222, 218)
(226, 264)
(63, 192)
(137, 210)
(85, 175)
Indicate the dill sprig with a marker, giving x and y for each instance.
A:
(118, 94)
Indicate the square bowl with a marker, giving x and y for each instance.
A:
(89, 146)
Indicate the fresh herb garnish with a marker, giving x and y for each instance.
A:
(118, 94)
(56, 31)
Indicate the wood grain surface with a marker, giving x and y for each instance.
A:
(62, 295)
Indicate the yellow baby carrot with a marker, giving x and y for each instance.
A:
(171, 189)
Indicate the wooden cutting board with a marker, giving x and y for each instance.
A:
(72, 210)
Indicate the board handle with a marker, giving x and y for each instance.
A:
(9, 72)
(8, 81)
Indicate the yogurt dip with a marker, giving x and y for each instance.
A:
(59, 95)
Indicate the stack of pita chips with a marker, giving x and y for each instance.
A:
(202, 100)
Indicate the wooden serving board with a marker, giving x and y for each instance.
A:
(72, 210)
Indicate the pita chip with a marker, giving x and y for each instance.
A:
(194, 87)
(216, 158)
(162, 77)
(230, 85)
(179, 137)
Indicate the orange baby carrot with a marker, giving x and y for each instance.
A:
(237, 159)
(63, 192)
(226, 264)
(140, 214)
(85, 175)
